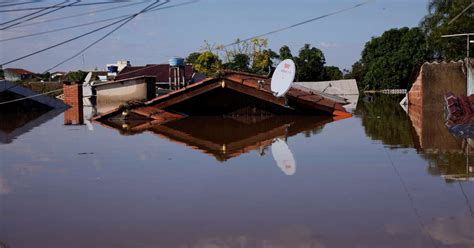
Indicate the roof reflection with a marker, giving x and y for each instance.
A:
(224, 137)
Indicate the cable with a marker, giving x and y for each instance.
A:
(298, 24)
(34, 13)
(86, 24)
(63, 42)
(65, 28)
(462, 12)
(415, 210)
(467, 200)
(15, 4)
(80, 14)
(150, 7)
(47, 13)
(28, 97)
(77, 5)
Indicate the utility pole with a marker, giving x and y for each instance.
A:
(468, 41)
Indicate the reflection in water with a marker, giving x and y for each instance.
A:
(383, 119)
(224, 137)
(284, 157)
(21, 121)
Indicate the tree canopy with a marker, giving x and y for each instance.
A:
(447, 17)
(388, 61)
(310, 64)
(208, 63)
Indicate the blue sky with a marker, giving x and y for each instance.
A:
(156, 36)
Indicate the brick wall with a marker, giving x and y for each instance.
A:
(73, 98)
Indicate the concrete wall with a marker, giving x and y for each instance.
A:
(126, 90)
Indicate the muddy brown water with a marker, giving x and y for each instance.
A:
(365, 181)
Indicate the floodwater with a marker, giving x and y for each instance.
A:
(378, 179)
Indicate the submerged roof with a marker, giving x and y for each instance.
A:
(233, 93)
(19, 71)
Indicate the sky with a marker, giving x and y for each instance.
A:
(154, 37)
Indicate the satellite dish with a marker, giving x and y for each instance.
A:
(284, 157)
(88, 78)
(283, 77)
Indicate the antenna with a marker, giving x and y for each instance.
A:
(283, 77)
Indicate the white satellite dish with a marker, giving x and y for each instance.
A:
(283, 157)
(283, 77)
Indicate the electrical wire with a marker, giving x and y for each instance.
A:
(47, 13)
(80, 14)
(298, 24)
(34, 13)
(63, 42)
(28, 97)
(462, 12)
(87, 24)
(109, 33)
(77, 5)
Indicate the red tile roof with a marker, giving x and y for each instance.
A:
(19, 71)
(159, 71)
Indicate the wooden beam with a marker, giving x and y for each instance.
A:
(260, 94)
(177, 99)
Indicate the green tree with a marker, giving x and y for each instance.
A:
(239, 62)
(76, 76)
(285, 53)
(332, 73)
(2, 75)
(358, 71)
(388, 61)
(438, 22)
(192, 57)
(310, 64)
(208, 63)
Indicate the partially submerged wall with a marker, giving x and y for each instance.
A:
(426, 103)
(125, 90)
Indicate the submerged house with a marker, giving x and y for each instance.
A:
(159, 72)
(17, 74)
(24, 109)
(229, 94)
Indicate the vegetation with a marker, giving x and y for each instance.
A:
(438, 22)
(389, 61)
(253, 56)
(208, 63)
(2, 75)
(76, 76)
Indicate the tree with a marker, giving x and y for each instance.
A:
(76, 76)
(437, 23)
(285, 53)
(239, 62)
(388, 61)
(310, 64)
(208, 63)
(192, 57)
(2, 75)
(332, 73)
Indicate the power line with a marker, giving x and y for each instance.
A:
(80, 14)
(47, 13)
(15, 4)
(89, 23)
(298, 24)
(150, 7)
(49, 7)
(462, 12)
(34, 13)
(65, 28)
(28, 97)
(63, 42)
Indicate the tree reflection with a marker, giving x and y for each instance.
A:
(383, 119)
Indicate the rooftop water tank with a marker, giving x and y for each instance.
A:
(176, 62)
(112, 69)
